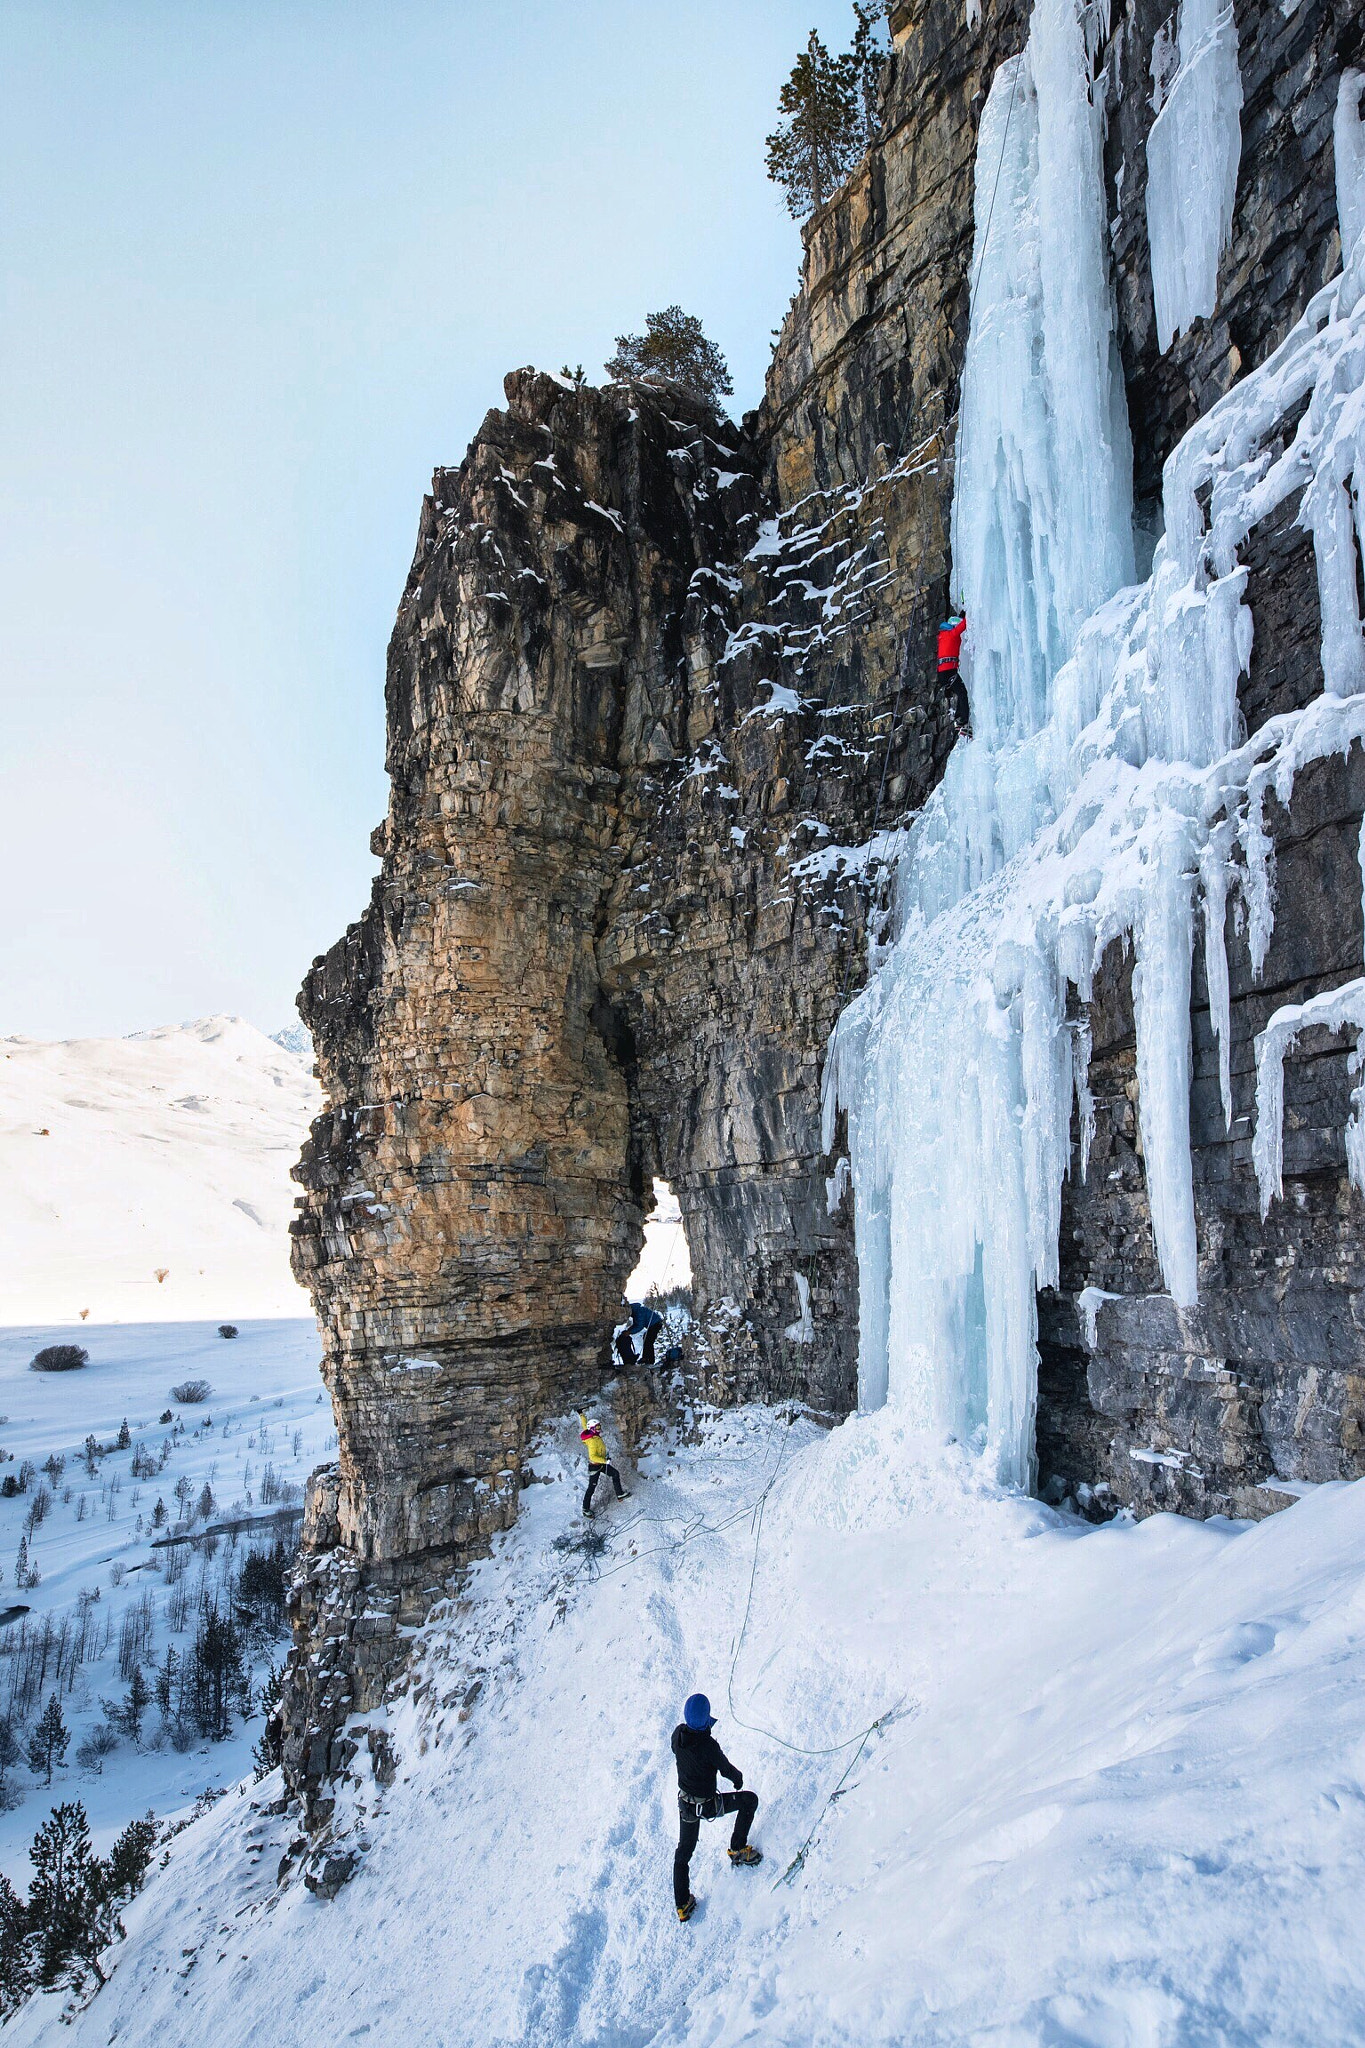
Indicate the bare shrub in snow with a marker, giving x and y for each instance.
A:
(60, 1358)
(189, 1393)
(96, 1746)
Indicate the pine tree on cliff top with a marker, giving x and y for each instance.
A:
(673, 346)
(868, 58)
(823, 138)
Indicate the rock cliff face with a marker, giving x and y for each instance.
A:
(657, 687)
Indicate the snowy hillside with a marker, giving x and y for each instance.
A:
(104, 1587)
(147, 1178)
(1117, 1795)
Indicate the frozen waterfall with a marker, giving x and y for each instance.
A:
(1193, 153)
(1107, 794)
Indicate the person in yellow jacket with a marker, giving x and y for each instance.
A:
(598, 1462)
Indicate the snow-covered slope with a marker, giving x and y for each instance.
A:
(1117, 1797)
(95, 1548)
(167, 1153)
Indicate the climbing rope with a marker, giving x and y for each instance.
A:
(797, 1748)
(990, 211)
(799, 1859)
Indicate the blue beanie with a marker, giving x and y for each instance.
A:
(697, 1713)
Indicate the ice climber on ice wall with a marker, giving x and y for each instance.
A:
(1108, 792)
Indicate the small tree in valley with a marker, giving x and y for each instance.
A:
(136, 1701)
(822, 138)
(10, 1752)
(16, 1968)
(48, 1743)
(63, 1897)
(217, 1675)
(673, 346)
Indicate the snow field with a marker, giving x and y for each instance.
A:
(1118, 1802)
(267, 1407)
(167, 1153)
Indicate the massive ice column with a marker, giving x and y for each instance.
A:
(1043, 503)
(1108, 793)
(1193, 153)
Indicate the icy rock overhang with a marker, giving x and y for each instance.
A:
(1106, 796)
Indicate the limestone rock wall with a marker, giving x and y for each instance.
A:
(656, 682)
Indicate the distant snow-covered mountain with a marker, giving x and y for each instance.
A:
(147, 1178)
(294, 1038)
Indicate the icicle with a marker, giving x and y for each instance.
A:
(802, 1331)
(1089, 1302)
(1193, 153)
(1083, 1047)
(1215, 875)
(1161, 1010)
(1338, 1009)
(1258, 886)
(1348, 142)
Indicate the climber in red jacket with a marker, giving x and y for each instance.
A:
(949, 671)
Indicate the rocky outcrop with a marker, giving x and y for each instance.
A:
(638, 740)
(657, 689)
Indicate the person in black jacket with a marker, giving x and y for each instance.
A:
(699, 1757)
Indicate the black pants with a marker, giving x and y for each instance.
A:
(955, 690)
(743, 1805)
(594, 1474)
(625, 1347)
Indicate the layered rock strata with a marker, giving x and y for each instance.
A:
(656, 682)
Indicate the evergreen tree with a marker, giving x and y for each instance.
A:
(64, 1896)
(868, 58)
(165, 1684)
(16, 1967)
(673, 346)
(822, 139)
(135, 1702)
(124, 1436)
(130, 1858)
(205, 1505)
(10, 1751)
(262, 1584)
(159, 1514)
(48, 1743)
(269, 1751)
(218, 1679)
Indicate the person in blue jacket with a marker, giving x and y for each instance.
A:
(646, 1324)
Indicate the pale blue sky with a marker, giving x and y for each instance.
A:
(262, 267)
